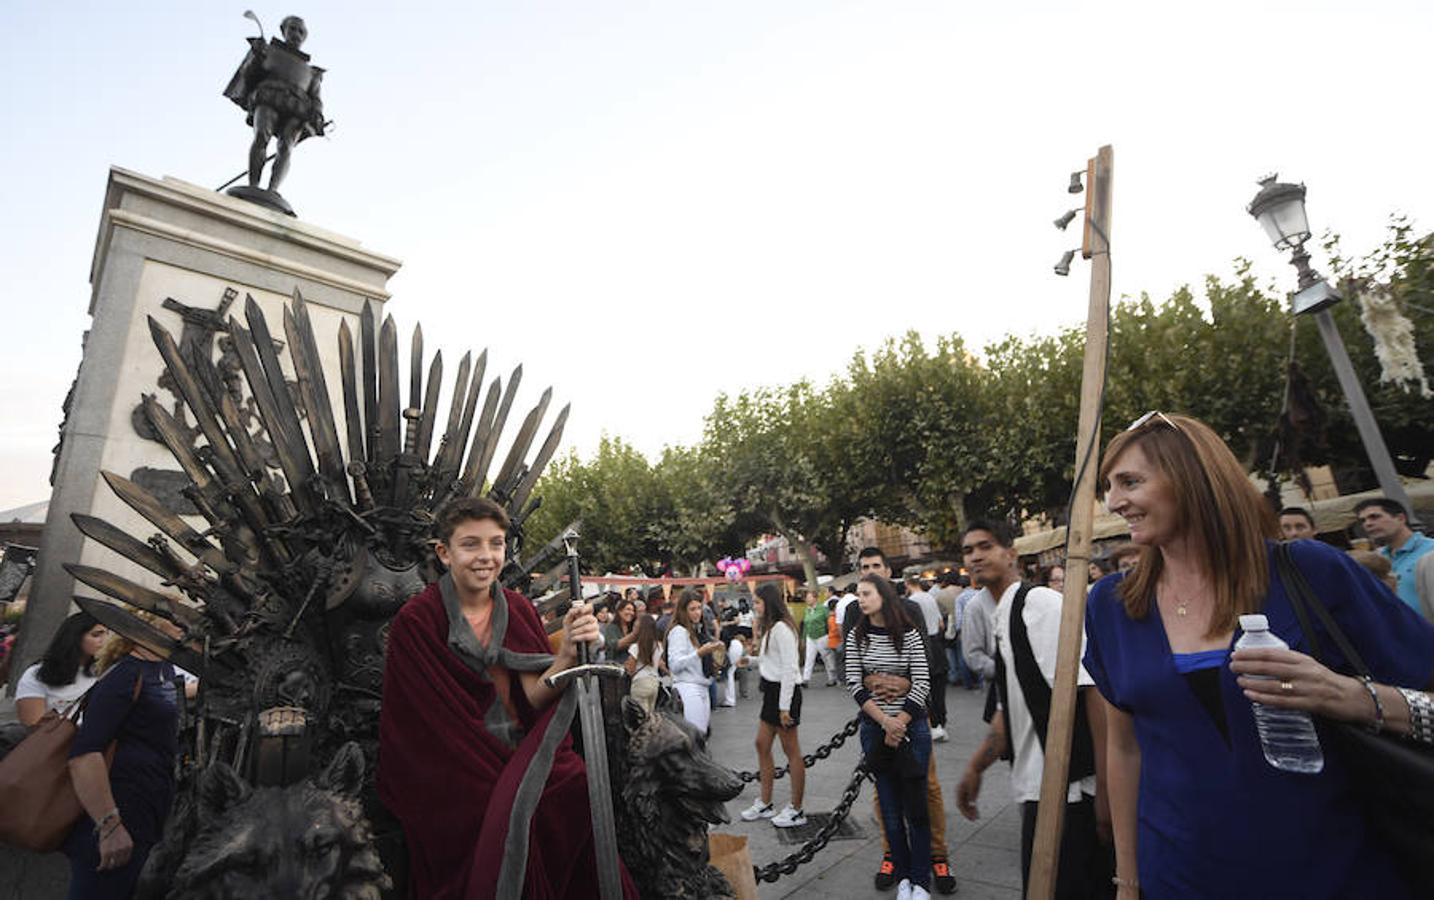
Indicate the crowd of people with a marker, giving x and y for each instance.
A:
(1173, 791)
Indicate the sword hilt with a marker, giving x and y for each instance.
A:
(588, 670)
(410, 429)
(363, 494)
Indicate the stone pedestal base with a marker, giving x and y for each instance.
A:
(187, 257)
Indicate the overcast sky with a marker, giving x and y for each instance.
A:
(649, 203)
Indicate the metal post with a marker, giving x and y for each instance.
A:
(1373, 441)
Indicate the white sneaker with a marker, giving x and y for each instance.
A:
(758, 810)
(790, 818)
(938, 733)
(903, 890)
(919, 893)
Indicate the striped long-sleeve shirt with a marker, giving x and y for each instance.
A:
(880, 656)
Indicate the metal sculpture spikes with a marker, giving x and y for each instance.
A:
(284, 598)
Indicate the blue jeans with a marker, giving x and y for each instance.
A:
(957, 672)
(903, 804)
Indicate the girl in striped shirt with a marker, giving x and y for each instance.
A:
(895, 736)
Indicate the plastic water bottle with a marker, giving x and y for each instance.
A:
(1287, 735)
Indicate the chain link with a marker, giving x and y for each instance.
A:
(810, 759)
(773, 871)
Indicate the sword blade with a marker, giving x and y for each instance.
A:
(430, 407)
(353, 424)
(540, 462)
(128, 625)
(132, 549)
(521, 443)
(388, 394)
(368, 345)
(136, 595)
(147, 505)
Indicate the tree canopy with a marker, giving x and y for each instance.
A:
(925, 433)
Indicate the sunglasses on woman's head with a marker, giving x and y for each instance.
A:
(1154, 413)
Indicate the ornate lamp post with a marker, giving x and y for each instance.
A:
(1280, 209)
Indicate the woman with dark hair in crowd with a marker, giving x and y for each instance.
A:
(685, 650)
(1054, 577)
(64, 673)
(777, 664)
(646, 650)
(895, 737)
(619, 634)
(135, 704)
(1197, 810)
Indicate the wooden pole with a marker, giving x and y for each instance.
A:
(1045, 853)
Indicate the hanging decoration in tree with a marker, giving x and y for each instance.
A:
(1393, 336)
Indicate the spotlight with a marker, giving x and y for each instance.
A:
(1075, 186)
(1065, 220)
(1063, 268)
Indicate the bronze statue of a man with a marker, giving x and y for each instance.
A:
(279, 89)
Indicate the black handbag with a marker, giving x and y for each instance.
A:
(1393, 775)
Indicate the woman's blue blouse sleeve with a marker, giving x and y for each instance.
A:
(1102, 607)
(1396, 642)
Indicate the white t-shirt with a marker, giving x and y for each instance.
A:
(57, 699)
(929, 609)
(847, 600)
(646, 671)
(1042, 615)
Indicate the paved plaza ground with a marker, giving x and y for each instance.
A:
(985, 855)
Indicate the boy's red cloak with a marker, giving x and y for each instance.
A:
(470, 802)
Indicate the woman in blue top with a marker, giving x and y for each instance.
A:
(136, 705)
(1197, 811)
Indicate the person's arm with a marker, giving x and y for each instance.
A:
(1315, 689)
(919, 672)
(1095, 716)
(1122, 776)
(973, 643)
(990, 750)
(30, 710)
(1424, 585)
(627, 640)
(682, 658)
(787, 659)
(580, 626)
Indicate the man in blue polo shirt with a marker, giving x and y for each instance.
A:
(1386, 522)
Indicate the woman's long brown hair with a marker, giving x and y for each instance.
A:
(646, 628)
(1225, 518)
(679, 612)
(774, 610)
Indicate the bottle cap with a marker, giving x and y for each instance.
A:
(1256, 622)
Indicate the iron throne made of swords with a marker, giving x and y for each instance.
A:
(317, 532)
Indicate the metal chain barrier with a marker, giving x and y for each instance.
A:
(773, 871)
(810, 759)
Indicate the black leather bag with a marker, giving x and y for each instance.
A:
(1394, 776)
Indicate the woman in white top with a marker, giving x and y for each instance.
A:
(64, 673)
(781, 706)
(647, 651)
(684, 659)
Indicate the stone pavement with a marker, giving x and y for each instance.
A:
(985, 855)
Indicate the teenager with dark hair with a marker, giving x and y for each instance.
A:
(1296, 524)
(872, 562)
(895, 737)
(777, 656)
(1025, 627)
(475, 749)
(64, 673)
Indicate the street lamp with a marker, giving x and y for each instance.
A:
(1280, 209)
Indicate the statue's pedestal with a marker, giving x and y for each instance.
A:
(163, 239)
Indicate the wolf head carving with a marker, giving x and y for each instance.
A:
(306, 840)
(672, 791)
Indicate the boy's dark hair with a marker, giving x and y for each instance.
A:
(1301, 511)
(1393, 507)
(995, 528)
(869, 552)
(467, 509)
